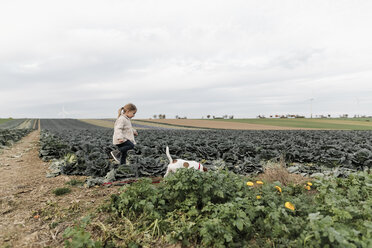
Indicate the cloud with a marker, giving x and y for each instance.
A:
(184, 57)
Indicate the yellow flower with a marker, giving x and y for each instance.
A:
(259, 182)
(258, 197)
(308, 187)
(249, 184)
(289, 206)
(309, 183)
(279, 189)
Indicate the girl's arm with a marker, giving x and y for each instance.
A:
(135, 132)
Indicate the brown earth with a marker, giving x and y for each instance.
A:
(221, 124)
(109, 123)
(152, 124)
(31, 215)
(100, 123)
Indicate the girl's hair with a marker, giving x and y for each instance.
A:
(126, 108)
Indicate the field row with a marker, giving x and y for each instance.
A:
(19, 123)
(12, 131)
(87, 149)
(9, 136)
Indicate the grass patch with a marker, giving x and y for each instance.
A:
(61, 191)
(332, 124)
(4, 120)
(75, 182)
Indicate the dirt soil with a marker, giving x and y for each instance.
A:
(31, 215)
(221, 124)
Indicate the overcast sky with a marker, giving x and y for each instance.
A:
(184, 57)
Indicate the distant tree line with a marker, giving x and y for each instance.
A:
(159, 116)
(316, 116)
(163, 116)
(220, 117)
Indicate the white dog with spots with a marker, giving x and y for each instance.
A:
(175, 164)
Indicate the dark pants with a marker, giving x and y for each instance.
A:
(124, 148)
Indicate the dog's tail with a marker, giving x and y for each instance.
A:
(168, 155)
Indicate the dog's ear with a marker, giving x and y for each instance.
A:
(174, 161)
(205, 169)
(186, 165)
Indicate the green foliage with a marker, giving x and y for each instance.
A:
(78, 237)
(343, 216)
(61, 191)
(218, 209)
(9, 136)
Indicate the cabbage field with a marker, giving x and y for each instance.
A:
(83, 149)
(231, 205)
(10, 131)
(9, 136)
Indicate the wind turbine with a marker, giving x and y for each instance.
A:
(63, 112)
(311, 107)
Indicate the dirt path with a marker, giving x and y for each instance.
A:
(31, 215)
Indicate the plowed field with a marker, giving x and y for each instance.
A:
(220, 124)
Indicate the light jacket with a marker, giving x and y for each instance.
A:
(123, 130)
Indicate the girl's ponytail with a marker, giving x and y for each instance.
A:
(120, 111)
(127, 107)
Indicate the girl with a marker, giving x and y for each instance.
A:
(124, 133)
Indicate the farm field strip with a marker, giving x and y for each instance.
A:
(345, 122)
(330, 124)
(12, 123)
(137, 124)
(164, 126)
(28, 123)
(71, 124)
(109, 123)
(18, 124)
(4, 120)
(216, 124)
(35, 122)
(99, 122)
(152, 124)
